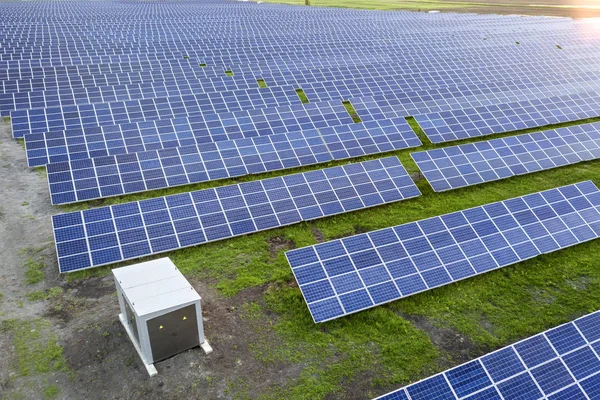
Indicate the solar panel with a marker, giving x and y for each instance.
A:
(211, 97)
(474, 163)
(355, 273)
(76, 144)
(105, 235)
(480, 121)
(559, 364)
(410, 103)
(101, 177)
(52, 119)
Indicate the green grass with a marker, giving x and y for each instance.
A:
(261, 83)
(36, 346)
(229, 73)
(426, 5)
(353, 114)
(34, 270)
(380, 4)
(45, 294)
(302, 96)
(51, 392)
(378, 343)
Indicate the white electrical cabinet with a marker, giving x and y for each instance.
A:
(160, 310)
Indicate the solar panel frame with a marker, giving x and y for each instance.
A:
(344, 276)
(105, 235)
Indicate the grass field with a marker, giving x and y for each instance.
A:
(572, 8)
(394, 344)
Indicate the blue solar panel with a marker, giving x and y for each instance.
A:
(106, 235)
(567, 367)
(347, 275)
(474, 163)
(220, 95)
(101, 177)
(480, 121)
(153, 135)
(285, 115)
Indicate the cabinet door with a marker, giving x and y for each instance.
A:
(173, 333)
(131, 321)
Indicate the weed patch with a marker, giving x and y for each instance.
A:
(34, 271)
(351, 111)
(36, 346)
(302, 96)
(261, 83)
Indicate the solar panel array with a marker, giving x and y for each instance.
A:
(355, 273)
(561, 363)
(471, 164)
(106, 235)
(115, 98)
(122, 97)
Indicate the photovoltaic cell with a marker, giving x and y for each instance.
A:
(99, 236)
(347, 275)
(474, 163)
(566, 367)
(100, 177)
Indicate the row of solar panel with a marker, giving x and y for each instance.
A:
(126, 138)
(295, 46)
(26, 35)
(304, 61)
(399, 79)
(105, 235)
(102, 177)
(440, 63)
(249, 17)
(399, 23)
(100, 87)
(444, 168)
(118, 139)
(481, 121)
(282, 44)
(71, 85)
(218, 99)
(239, 90)
(562, 363)
(410, 103)
(284, 51)
(355, 273)
(28, 39)
(31, 34)
(268, 78)
(471, 164)
(260, 121)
